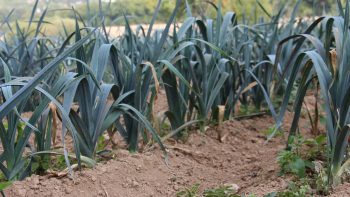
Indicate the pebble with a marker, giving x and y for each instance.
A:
(135, 184)
(138, 168)
(274, 183)
(271, 169)
(172, 179)
(124, 185)
(68, 190)
(176, 187)
(93, 178)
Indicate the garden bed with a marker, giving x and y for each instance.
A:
(243, 159)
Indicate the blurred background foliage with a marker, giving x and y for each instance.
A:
(140, 11)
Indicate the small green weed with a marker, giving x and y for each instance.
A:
(222, 191)
(300, 189)
(304, 160)
(189, 192)
(291, 163)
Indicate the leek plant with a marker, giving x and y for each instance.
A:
(14, 138)
(332, 71)
(40, 58)
(27, 50)
(137, 72)
(228, 48)
(201, 55)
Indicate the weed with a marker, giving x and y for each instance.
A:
(291, 163)
(222, 191)
(189, 192)
(304, 160)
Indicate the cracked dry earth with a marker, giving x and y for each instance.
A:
(243, 159)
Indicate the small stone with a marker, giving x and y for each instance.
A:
(272, 169)
(128, 181)
(93, 178)
(172, 179)
(233, 187)
(68, 190)
(274, 183)
(135, 184)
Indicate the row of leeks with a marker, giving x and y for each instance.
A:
(202, 64)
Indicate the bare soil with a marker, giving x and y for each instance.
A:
(244, 159)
